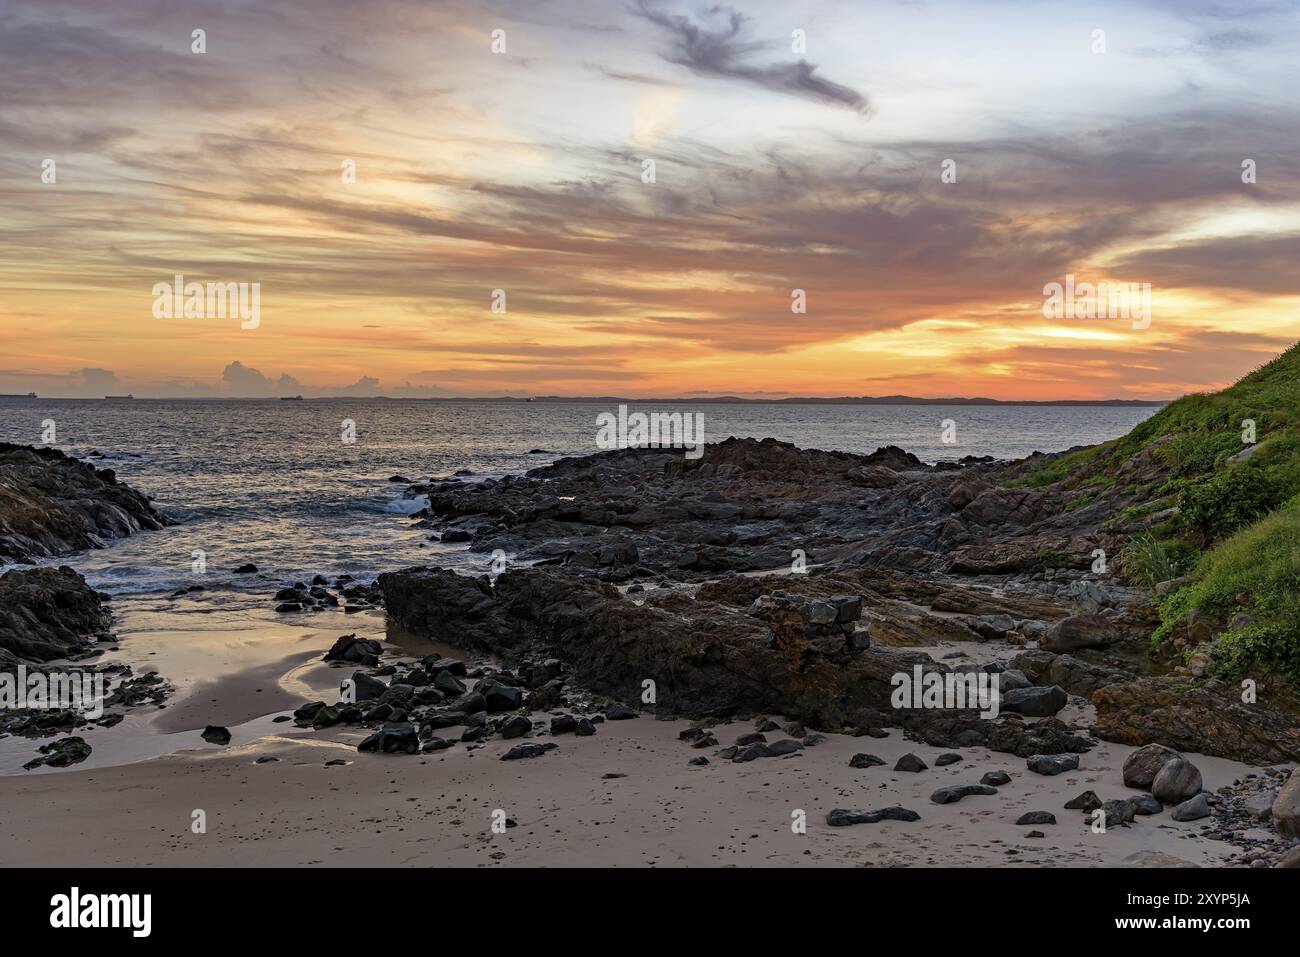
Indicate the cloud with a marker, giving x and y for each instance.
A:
(719, 51)
(247, 381)
(97, 380)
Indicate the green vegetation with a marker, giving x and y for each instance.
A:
(1051, 558)
(1149, 560)
(1255, 571)
(1235, 534)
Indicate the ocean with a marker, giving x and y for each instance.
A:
(275, 483)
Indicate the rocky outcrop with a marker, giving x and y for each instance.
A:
(1188, 714)
(52, 504)
(48, 613)
(703, 658)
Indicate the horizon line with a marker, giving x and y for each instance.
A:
(555, 399)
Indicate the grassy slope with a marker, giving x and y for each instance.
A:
(1235, 533)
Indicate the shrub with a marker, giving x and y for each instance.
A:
(1220, 505)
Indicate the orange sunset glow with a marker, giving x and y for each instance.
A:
(523, 170)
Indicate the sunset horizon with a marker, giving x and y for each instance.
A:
(644, 199)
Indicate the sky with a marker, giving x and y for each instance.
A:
(919, 170)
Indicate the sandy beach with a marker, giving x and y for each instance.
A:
(272, 798)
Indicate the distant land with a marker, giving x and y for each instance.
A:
(607, 399)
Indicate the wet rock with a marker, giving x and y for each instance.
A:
(1192, 809)
(1036, 817)
(1079, 631)
(394, 738)
(215, 734)
(1176, 781)
(515, 727)
(842, 818)
(1286, 807)
(366, 688)
(563, 724)
(865, 761)
(911, 763)
(785, 746)
(954, 793)
(1115, 813)
(1260, 804)
(1035, 702)
(946, 759)
(350, 648)
(48, 613)
(1142, 766)
(52, 504)
(751, 753)
(1086, 802)
(449, 684)
(497, 696)
(1052, 764)
(529, 750)
(995, 778)
(60, 754)
(1146, 805)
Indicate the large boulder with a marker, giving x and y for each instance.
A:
(1079, 631)
(1177, 781)
(1142, 766)
(1035, 702)
(1286, 807)
(48, 613)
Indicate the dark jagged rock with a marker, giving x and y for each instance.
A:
(52, 504)
(527, 751)
(1052, 764)
(910, 762)
(395, 737)
(705, 658)
(1036, 817)
(49, 613)
(865, 761)
(1035, 702)
(954, 793)
(215, 734)
(1205, 717)
(842, 818)
(60, 754)
(1086, 802)
(1007, 734)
